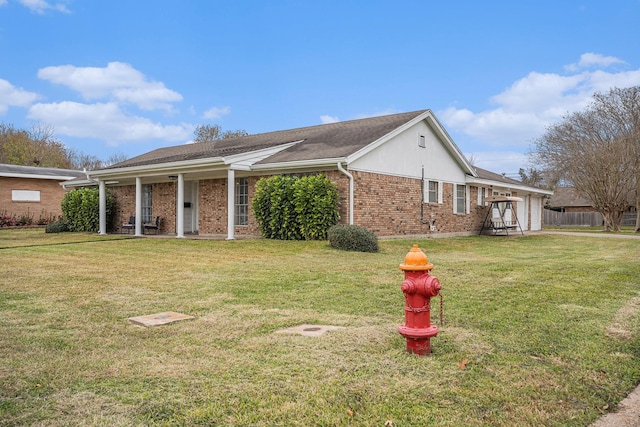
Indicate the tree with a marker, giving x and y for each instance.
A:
(35, 147)
(532, 176)
(597, 151)
(38, 147)
(622, 108)
(81, 161)
(210, 133)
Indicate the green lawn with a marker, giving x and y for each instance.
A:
(539, 330)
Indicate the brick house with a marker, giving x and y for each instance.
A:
(397, 175)
(567, 199)
(33, 191)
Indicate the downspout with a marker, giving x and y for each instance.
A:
(344, 171)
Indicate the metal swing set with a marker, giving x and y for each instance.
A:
(500, 217)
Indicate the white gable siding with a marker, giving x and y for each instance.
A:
(403, 156)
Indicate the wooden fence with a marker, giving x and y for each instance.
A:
(572, 218)
(582, 218)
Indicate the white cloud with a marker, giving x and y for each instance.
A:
(528, 106)
(11, 96)
(117, 81)
(588, 60)
(3, 2)
(328, 119)
(105, 121)
(214, 113)
(41, 6)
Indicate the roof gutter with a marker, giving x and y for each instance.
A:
(34, 176)
(298, 164)
(515, 186)
(158, 167)
(344, 171)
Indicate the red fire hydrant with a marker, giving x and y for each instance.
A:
(418, 287)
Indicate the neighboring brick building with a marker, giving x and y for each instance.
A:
(33, 191)
(397, 175)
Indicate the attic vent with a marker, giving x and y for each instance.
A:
(421, 141)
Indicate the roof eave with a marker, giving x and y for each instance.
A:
(34, 176)
(514, 186)
(157, 168)
(300, 164)
(450, 144)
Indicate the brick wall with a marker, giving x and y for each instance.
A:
(212, 202)
(124, 198)
(51, 195)
(164, 205)
(390, 206)
(212, 205)
(163, 196)
(386, 205)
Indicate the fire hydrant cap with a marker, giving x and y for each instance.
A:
(416, 260)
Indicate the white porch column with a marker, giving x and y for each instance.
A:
(102, 195)
(138, 206)
(231, 195)
(180, 207)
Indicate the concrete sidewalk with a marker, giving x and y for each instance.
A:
(626, 415)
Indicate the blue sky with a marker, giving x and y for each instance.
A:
(124, 76)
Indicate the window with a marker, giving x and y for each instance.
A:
(421, 141)
(25, 195)
(433, 192)
(242, 202)
(147, 204)
(460, 201)
(482, 195)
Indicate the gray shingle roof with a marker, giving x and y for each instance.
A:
(564, 197)
(332, 140)
(485, 174)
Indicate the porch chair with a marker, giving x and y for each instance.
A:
(153, 225)
(129, 226)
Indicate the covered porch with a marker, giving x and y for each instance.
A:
(169, 203)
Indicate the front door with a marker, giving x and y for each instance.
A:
(190, 207)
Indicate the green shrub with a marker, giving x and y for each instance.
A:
(56, 227)
(352, 238)
(293, 208)
(316, 200)
(274, 208)
(81, 209)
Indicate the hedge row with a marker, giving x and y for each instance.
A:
(81, 209)
(296, 208)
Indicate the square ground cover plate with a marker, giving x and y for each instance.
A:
(309, 330)
(159, 319)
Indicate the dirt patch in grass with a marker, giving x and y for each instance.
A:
(621, 325)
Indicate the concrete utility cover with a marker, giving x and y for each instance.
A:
(159, 319)
(309, 330)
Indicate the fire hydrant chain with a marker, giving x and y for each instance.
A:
(425, 307)
(441, 309)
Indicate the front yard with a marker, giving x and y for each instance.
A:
(539, 330)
